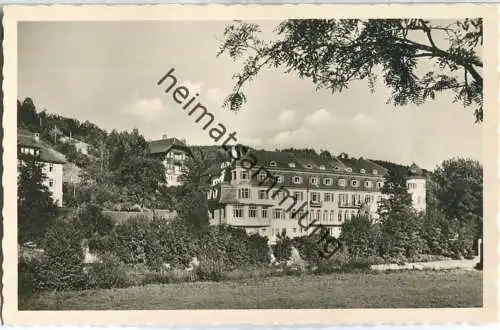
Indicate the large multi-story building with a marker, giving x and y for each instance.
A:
(281, 188)
(31, 147)
(173, 153)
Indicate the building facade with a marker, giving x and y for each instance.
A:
(281, 189)
(173, 154)
(30, 147)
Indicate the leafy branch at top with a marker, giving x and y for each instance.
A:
(334, 53)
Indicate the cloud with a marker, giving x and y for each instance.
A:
(364, 120)
(215, 95)
(147, 109)
(322, 116)
(193, 86)
(286, 118)
(289, 137)
(252, 142)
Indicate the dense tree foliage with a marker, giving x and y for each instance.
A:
(51, 126)
(35, 207)
(192, 206)
(360, 236)
(460, 187)
(415, 58)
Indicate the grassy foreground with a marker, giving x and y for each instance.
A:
(408, 289)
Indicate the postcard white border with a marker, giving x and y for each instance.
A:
(14, 14)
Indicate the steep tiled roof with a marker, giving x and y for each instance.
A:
(359, 164)
(164, 145)
(47, 153)
(415, 172)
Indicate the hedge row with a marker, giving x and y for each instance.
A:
(156, 244)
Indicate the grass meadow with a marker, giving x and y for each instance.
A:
(404, 289)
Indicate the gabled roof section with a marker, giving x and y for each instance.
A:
(280, 158)
(47, 153)
(358, 164)
(415, 172)
(165, 145)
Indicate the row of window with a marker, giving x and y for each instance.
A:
(323, 167)
(288, 231)
(412, 185)
(262, 177)
(279, 214)
(343, 198)
(30, 151)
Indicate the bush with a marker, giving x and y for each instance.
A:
(359, 235)
(29, 280)
(170, 242)
(212, 267)
(130, 239)
(309, 249)
(61, 266)
(92, 221)
(283, 248)
(110, 273)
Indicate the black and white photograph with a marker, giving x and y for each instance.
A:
(293, 163)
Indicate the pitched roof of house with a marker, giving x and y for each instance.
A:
(165, 145)
(47, 153)
(415, 171)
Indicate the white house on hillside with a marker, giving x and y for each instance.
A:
(29, 146)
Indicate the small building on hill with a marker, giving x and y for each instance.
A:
(80, 146)
(173, 153)
(29, 147)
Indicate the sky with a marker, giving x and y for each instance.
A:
(106, 73)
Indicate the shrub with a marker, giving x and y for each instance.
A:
(92, 221)
(170, 242)
(62, 264)
(258, 249)
(130, 239)
(29, 280)
(309, 249)
(110, 273)
(212, 266)
(282, 249)
(359, 236)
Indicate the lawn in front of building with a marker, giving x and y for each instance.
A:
(406, 289)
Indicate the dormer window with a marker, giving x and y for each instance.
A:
(348, 169)
(297, 179)
(380, 184)
(354, 183)
(327, 181)
(362, 171)
(342, 182)
(314, 180)
(309, 166)
(272, 163)
(368, 184)
(279, 178)
(292, 165)
(375, 172)
(322, 167)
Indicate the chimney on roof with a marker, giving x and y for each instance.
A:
(164, 136)
(36, 136)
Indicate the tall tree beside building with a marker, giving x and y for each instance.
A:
(141, 178)
(35, 207)
(192, 206)
(400, 224)
(460, 191)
